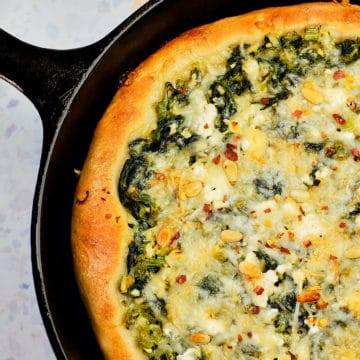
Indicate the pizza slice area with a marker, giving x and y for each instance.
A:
(217, 215)
(245, 204)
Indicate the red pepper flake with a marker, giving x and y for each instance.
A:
(297, 114)
(229, 347)
(356, 154)
(307, 243)
(231, 146)
(339, 74)
(291, 235)
(332, 257)
(325, 208)
(339, 119)
(207, 207)
(284, 250)
(265, 101)
(299, 217)
(183, 90)
(234, 123)
(258, 290)
(159, 176)
(255, 310)
(239, 338)
(230, 154)
(249, 334)
(321, 304)
(174, 238)
(353, 105)
(208, 210)
(270, 245)
(342, 225)
(267, 210)
(206, 126)
(108, 216)
(216, 159)
(236, 138)
(180, 279)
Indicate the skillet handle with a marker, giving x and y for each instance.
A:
(47, 77)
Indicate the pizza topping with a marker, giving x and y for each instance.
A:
(252, 160)
(231, 171)
(229, 236)
(308, 296)
(339, 119)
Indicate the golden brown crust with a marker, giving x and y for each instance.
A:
(100, 234)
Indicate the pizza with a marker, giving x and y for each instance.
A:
(217, 215)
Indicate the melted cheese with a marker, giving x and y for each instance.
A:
(296, 185)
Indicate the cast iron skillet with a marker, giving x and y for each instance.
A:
(71, 89)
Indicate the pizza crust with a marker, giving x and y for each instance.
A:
(100, 232)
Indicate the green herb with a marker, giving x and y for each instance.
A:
(355, 211)
(269, 262)
(313, 147)
(223, 91)
(132, 182)
(143, 268)
(250, 350)
(312, 34)
(349, 50)
(268, 187)
(170, 126)
(210, 284)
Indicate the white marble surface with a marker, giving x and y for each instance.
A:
(58, 24)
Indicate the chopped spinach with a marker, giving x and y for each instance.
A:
(286, 306)
(210, 284)
(355, 211)
(170, 125)
(251, 350)
(269, 262)
(275, 72)
(292, 41)
(349, 50)
(223, 90)
(313, 147)
(270, 101)
(268, 187)
(288, 130)
(143, 268)
(133, 179)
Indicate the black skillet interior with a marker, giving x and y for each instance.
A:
(158, 21)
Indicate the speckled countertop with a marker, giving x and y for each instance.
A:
(58, 24)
